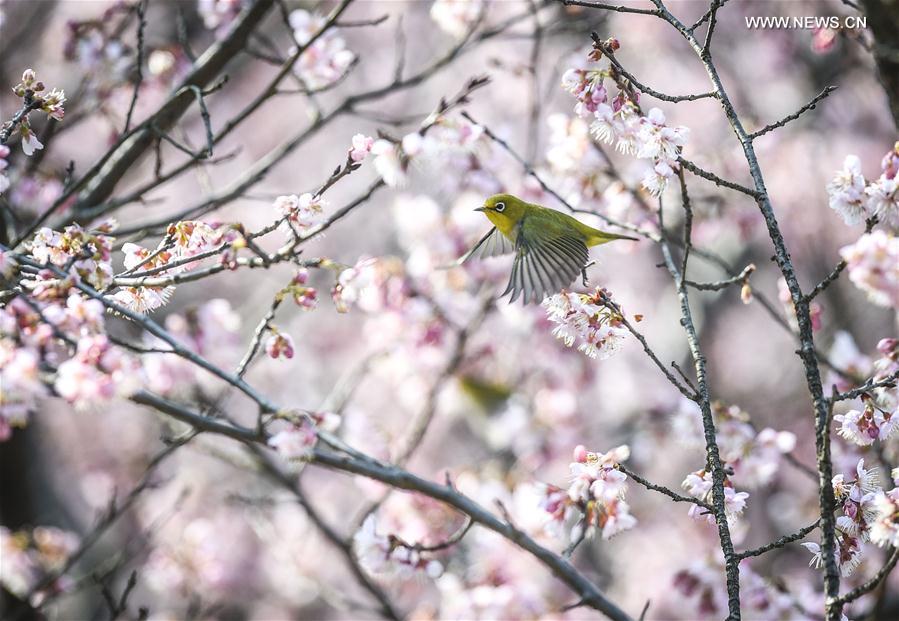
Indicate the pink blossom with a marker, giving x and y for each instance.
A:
(362, 145)
(873, 266)
(596, 492)
(305, 210)
(456, 17)
(98, 372)
(382, 554)
(218, 14)
(279, 345)
(389, 163)
(846, 192)
(53, 103)
(883, 200)
(580, 318)
(326, 60)
(866, 426)
(30, 143)
(699, 485)
(885, 527)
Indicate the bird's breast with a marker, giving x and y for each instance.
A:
(505, 225)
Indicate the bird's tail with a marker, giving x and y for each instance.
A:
(601, 237)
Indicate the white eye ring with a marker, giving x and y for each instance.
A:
(500, 207)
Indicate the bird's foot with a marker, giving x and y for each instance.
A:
(584, 273)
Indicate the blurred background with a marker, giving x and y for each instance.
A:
(214, 537)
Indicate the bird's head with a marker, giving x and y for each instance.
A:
(503, 210)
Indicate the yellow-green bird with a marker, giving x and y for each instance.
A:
(550, 247)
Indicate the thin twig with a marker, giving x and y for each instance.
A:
(779, 543)
(139, 78)
(792, 117)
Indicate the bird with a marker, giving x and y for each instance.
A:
(550, 247)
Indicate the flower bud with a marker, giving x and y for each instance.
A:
(580, 454)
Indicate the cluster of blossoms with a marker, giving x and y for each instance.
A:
(586, 320)
(184, 239)
(456, 17)
(700, 584)
(855, 499)
(297, 441)
(98, 372)
(699, 485)
(873, 260)
(278, 344)
(303, 211)
(326, 60)
(595, 496)
(193, 560)
(371, 284)
(389, 554)
(459, 149)
(873, 266)
(30, 558)
(37, 332)
(873, 422)
(874, 419)
(87, 254)
(581, 172)
(754, 456)
(96, 45)
(303, 295)
(620, 120)
(52, 103)
(884, 528)
(856, 199)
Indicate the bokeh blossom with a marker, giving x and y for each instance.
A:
(873, 266)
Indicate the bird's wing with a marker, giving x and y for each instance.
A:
(493, 244)
(546, 260)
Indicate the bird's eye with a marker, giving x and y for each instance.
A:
(500, 207)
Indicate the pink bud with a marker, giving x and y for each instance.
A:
(580, 453)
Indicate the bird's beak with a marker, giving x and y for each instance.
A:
(481, 208)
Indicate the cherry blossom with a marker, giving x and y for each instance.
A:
(699, 485)
(31, 557)
(865, 426)
(98, 372)
(326, 59)
(278, 344)
(595, 496)
(385, 554)
(581, 319)
(873, 266)
(389, 162)
(885, 525)
(218, 14)
(456, 17)
(847, 192)
(362, 145)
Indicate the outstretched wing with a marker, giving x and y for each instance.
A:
(546, 260)
(492, 244)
